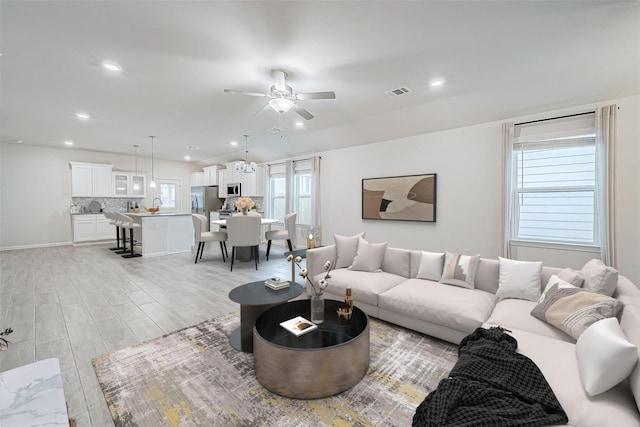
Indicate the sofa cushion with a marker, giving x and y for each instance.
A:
(629, 321)
(519, 279)
(397, 261)
(554, 280)
(557, 360)
(574, 310)
(627, 292)
(572, 276)
(514, 313)
(487, 275)
(599, 278)
(369, 256)
(346, 248)
(365, 286)
(605, 356)
(449, 306)
(460, 270)
(431, 265)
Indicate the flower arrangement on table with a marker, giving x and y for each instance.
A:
(317, 289)
(244, 203)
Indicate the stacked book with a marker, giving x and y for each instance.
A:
(298, 326)
(276, 283)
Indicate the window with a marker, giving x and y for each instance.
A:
(167, 191)
(277, 192)
(553, 181)
(302, 192)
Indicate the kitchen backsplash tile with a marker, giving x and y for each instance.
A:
(108, 204)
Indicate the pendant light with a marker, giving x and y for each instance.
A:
(136, 186)
(246, 167)
(152, 184)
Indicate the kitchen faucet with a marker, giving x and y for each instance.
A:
(153, 204)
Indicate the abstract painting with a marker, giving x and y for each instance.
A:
(401, 198)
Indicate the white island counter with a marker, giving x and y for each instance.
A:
(163, 233)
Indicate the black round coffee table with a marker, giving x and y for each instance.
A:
(254, 298)
(320, 363)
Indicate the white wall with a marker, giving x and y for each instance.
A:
(35, 184)
(468, 163)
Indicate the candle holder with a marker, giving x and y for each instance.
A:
(345, 311)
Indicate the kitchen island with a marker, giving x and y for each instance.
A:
(163, 233)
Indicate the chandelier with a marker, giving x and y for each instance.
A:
(246, 166)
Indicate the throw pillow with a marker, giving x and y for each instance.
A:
(572, 276)
(460, 270)
(519, 279)
(573, 310)
(599, 277)
(605, 356)
(369, 256)
(431, 265)
(346, 248)
(554, 280)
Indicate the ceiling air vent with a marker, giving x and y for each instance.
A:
(399, 91)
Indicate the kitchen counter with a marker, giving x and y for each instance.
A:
(163, 233)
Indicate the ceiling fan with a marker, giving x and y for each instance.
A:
(283, 98)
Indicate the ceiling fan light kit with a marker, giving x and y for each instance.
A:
(281, 105)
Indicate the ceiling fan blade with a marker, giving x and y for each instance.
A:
(257, 113)
(244, 92)
(316, 95)
(279, 80)
(302, 112)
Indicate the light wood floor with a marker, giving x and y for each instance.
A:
(75, 303)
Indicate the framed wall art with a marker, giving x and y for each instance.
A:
(400, 198)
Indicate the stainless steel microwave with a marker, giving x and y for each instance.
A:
(234, 189)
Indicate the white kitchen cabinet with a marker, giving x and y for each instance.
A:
(197, 179)
(261, 181)
(247, 180)
(127, 184)
(90, 180)
(211, 175)
(222, 183)
(91, 228)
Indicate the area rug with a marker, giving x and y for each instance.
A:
(193, 377)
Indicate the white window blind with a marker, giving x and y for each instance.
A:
(302, 195)
(277, 192)
(554, 172)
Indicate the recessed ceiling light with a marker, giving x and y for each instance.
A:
(83, 116)
(187, 157)
(234, 143)
(68, 143)
(18, 141)
(437, 83)
(111, 66)
(299, 124)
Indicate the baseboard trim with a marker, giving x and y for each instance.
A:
(40, 245)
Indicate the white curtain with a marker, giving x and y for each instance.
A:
(507, 188)
(315, 197)
(605, 181)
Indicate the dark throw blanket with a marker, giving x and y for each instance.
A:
(491, 385)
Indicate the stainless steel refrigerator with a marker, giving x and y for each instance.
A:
(205, 200)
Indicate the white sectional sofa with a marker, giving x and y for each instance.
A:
(394, 293)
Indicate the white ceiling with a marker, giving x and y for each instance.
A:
(500, 60)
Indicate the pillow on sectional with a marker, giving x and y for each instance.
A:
(554, 280)
(572, 276)
(460, 270)
(431, 265)
(605, 356)
(346, 248)
(599, 277)
(369, 256)
(573, 310)
(519, 279)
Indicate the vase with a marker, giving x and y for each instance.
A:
(317, 309)
(245, 211)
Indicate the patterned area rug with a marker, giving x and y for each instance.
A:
(193, 377)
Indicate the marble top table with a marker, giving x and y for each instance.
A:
(32, 395)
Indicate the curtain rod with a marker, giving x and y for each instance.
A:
(555, 118)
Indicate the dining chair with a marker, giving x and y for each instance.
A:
(244, 231)
(286, 234)
(203, 235)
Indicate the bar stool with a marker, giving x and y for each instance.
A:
(126, 223)
(115, 222)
